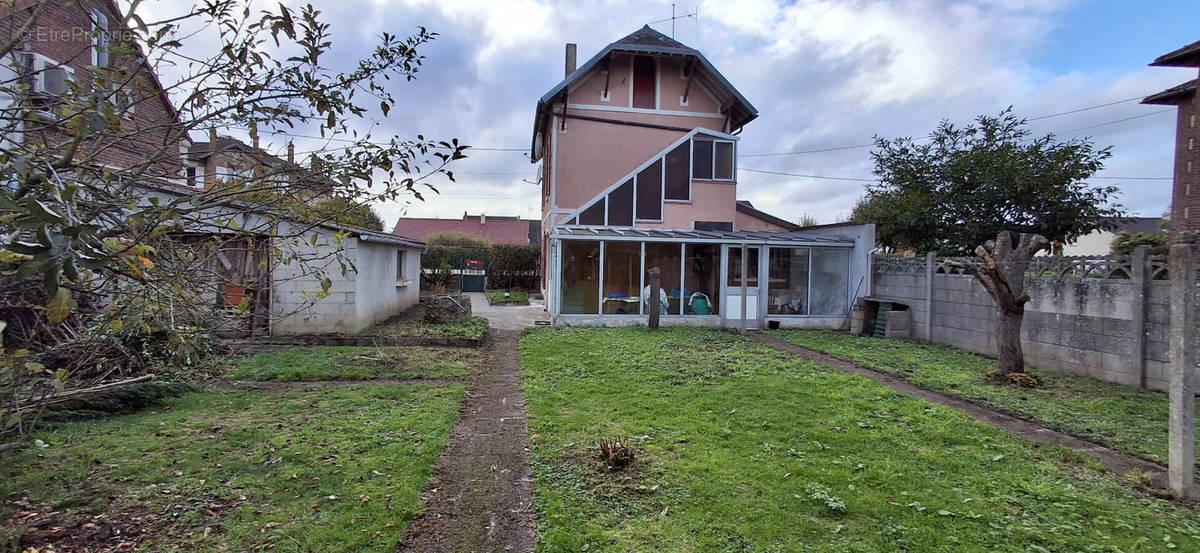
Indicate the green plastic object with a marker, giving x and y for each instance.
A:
(699, 304)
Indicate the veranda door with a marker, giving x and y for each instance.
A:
(732, 298)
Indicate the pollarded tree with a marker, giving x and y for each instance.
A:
(1000, 268)
(964, 185)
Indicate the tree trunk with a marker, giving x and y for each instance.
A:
(1011, 359)
(655, 300)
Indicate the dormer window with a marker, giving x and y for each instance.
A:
(645, 82)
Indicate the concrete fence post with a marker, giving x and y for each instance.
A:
(1140, 274)
(930, 268)
(1182, 383)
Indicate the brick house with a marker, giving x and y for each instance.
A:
(496, 230)
(223, 159)
(1185, 196)
(77, 52)
(76, 42)
(639, 170)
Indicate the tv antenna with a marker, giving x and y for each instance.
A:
(673, 17)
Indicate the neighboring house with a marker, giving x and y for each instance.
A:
(1185, 196)
(73, 41)
(1100, 242)
(224, 159)
(496, 230)
(79, 42)
(639, 170)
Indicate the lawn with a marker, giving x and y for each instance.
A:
(355, 363)
(1124, 418)
(474, 328)
(742, 447)
(515, 297)
(339, 469)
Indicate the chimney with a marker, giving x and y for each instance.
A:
(483, 218)
(212, 137)
(291, 152)
(570, 66)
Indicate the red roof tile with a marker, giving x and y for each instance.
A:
(497, 230)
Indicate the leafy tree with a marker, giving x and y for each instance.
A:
(88, 239)
(347, 212)
(1125, 242)
(968, 183)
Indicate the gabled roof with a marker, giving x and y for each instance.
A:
(649, 41)
(1173, 95)
(1188, 56)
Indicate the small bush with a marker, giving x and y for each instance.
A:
(616, 453)
(1022, 379)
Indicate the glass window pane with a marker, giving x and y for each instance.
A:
(665, 256)
(679, 167)
(649, 193)
(702, 279)
(724, 161)
(830, 281)
(702, 160)
(622, 277)
(593, 215)
(735, 266)
(620, 205)
(580, 277)
(787, 289)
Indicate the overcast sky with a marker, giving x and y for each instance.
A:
(822, 75)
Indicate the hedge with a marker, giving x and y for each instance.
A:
(507, 267)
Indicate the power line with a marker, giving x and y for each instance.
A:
(805, 176)
(817, 151)
(1097, 106)
(1115, 121)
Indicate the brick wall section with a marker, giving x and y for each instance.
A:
(1079, 327)
(1185, 202)
(143, 133)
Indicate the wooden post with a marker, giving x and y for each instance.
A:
(930, 269)
(1181, 452)
(655, 300)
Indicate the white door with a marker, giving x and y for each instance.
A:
(732, 286)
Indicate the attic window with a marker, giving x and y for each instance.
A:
(645, 83)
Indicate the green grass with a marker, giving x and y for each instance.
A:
(1122, 417)
(745, 448)
(355, 363)
(519, 297)
(332, 470)
(474, 328)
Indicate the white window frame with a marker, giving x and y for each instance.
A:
(713, 173)
(100, 39)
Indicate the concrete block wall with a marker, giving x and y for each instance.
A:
(1082, 327)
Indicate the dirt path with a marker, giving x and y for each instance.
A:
(1114, 461)
(480, 499)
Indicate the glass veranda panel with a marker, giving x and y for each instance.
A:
(702, 279)
(787, 285)
(580, 277)
(666, 257)
(622, 277)
(830, 287)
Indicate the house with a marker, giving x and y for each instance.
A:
(276, 271)
(638, 148)
(1099, 242)
(496, 230)
(1185, 196)
(224, 159)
